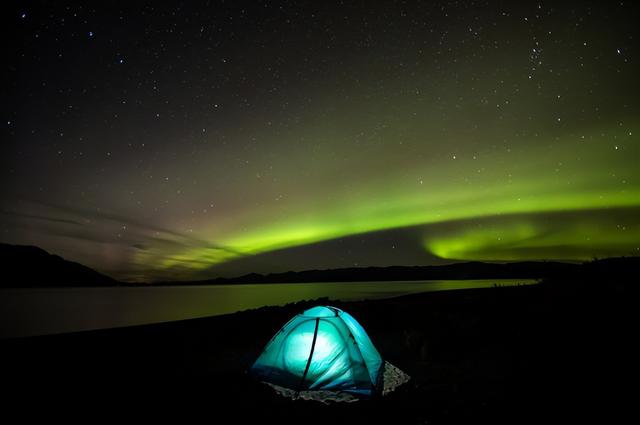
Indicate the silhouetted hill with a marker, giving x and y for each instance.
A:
(458, 271)
(29, 266)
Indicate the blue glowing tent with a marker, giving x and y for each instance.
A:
(323, 348)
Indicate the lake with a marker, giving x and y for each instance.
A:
(40, 311)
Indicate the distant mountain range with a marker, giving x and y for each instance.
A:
(456, 271)
(29, 266)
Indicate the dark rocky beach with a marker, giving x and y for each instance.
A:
(557, 351)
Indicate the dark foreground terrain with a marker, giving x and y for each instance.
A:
(560, 351)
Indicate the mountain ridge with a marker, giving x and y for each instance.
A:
(453, 271)
(30, 266)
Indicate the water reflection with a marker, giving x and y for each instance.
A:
(25, 312)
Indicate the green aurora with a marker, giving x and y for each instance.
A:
(421, 135)
(582, 235)
(464, 188)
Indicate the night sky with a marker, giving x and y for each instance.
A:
(185, 140)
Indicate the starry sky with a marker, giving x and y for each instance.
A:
(188, 140)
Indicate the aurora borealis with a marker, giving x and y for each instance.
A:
(185, 141)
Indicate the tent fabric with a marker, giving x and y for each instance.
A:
(322, 348)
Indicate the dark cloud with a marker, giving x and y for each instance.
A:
(18, 215)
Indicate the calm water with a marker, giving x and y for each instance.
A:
(26, 312)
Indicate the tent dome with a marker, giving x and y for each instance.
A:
(322, 348)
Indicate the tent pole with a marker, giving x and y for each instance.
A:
(306, 369)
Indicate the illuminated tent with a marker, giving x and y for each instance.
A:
(322, 348)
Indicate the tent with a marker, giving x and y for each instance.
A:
(322, 348)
